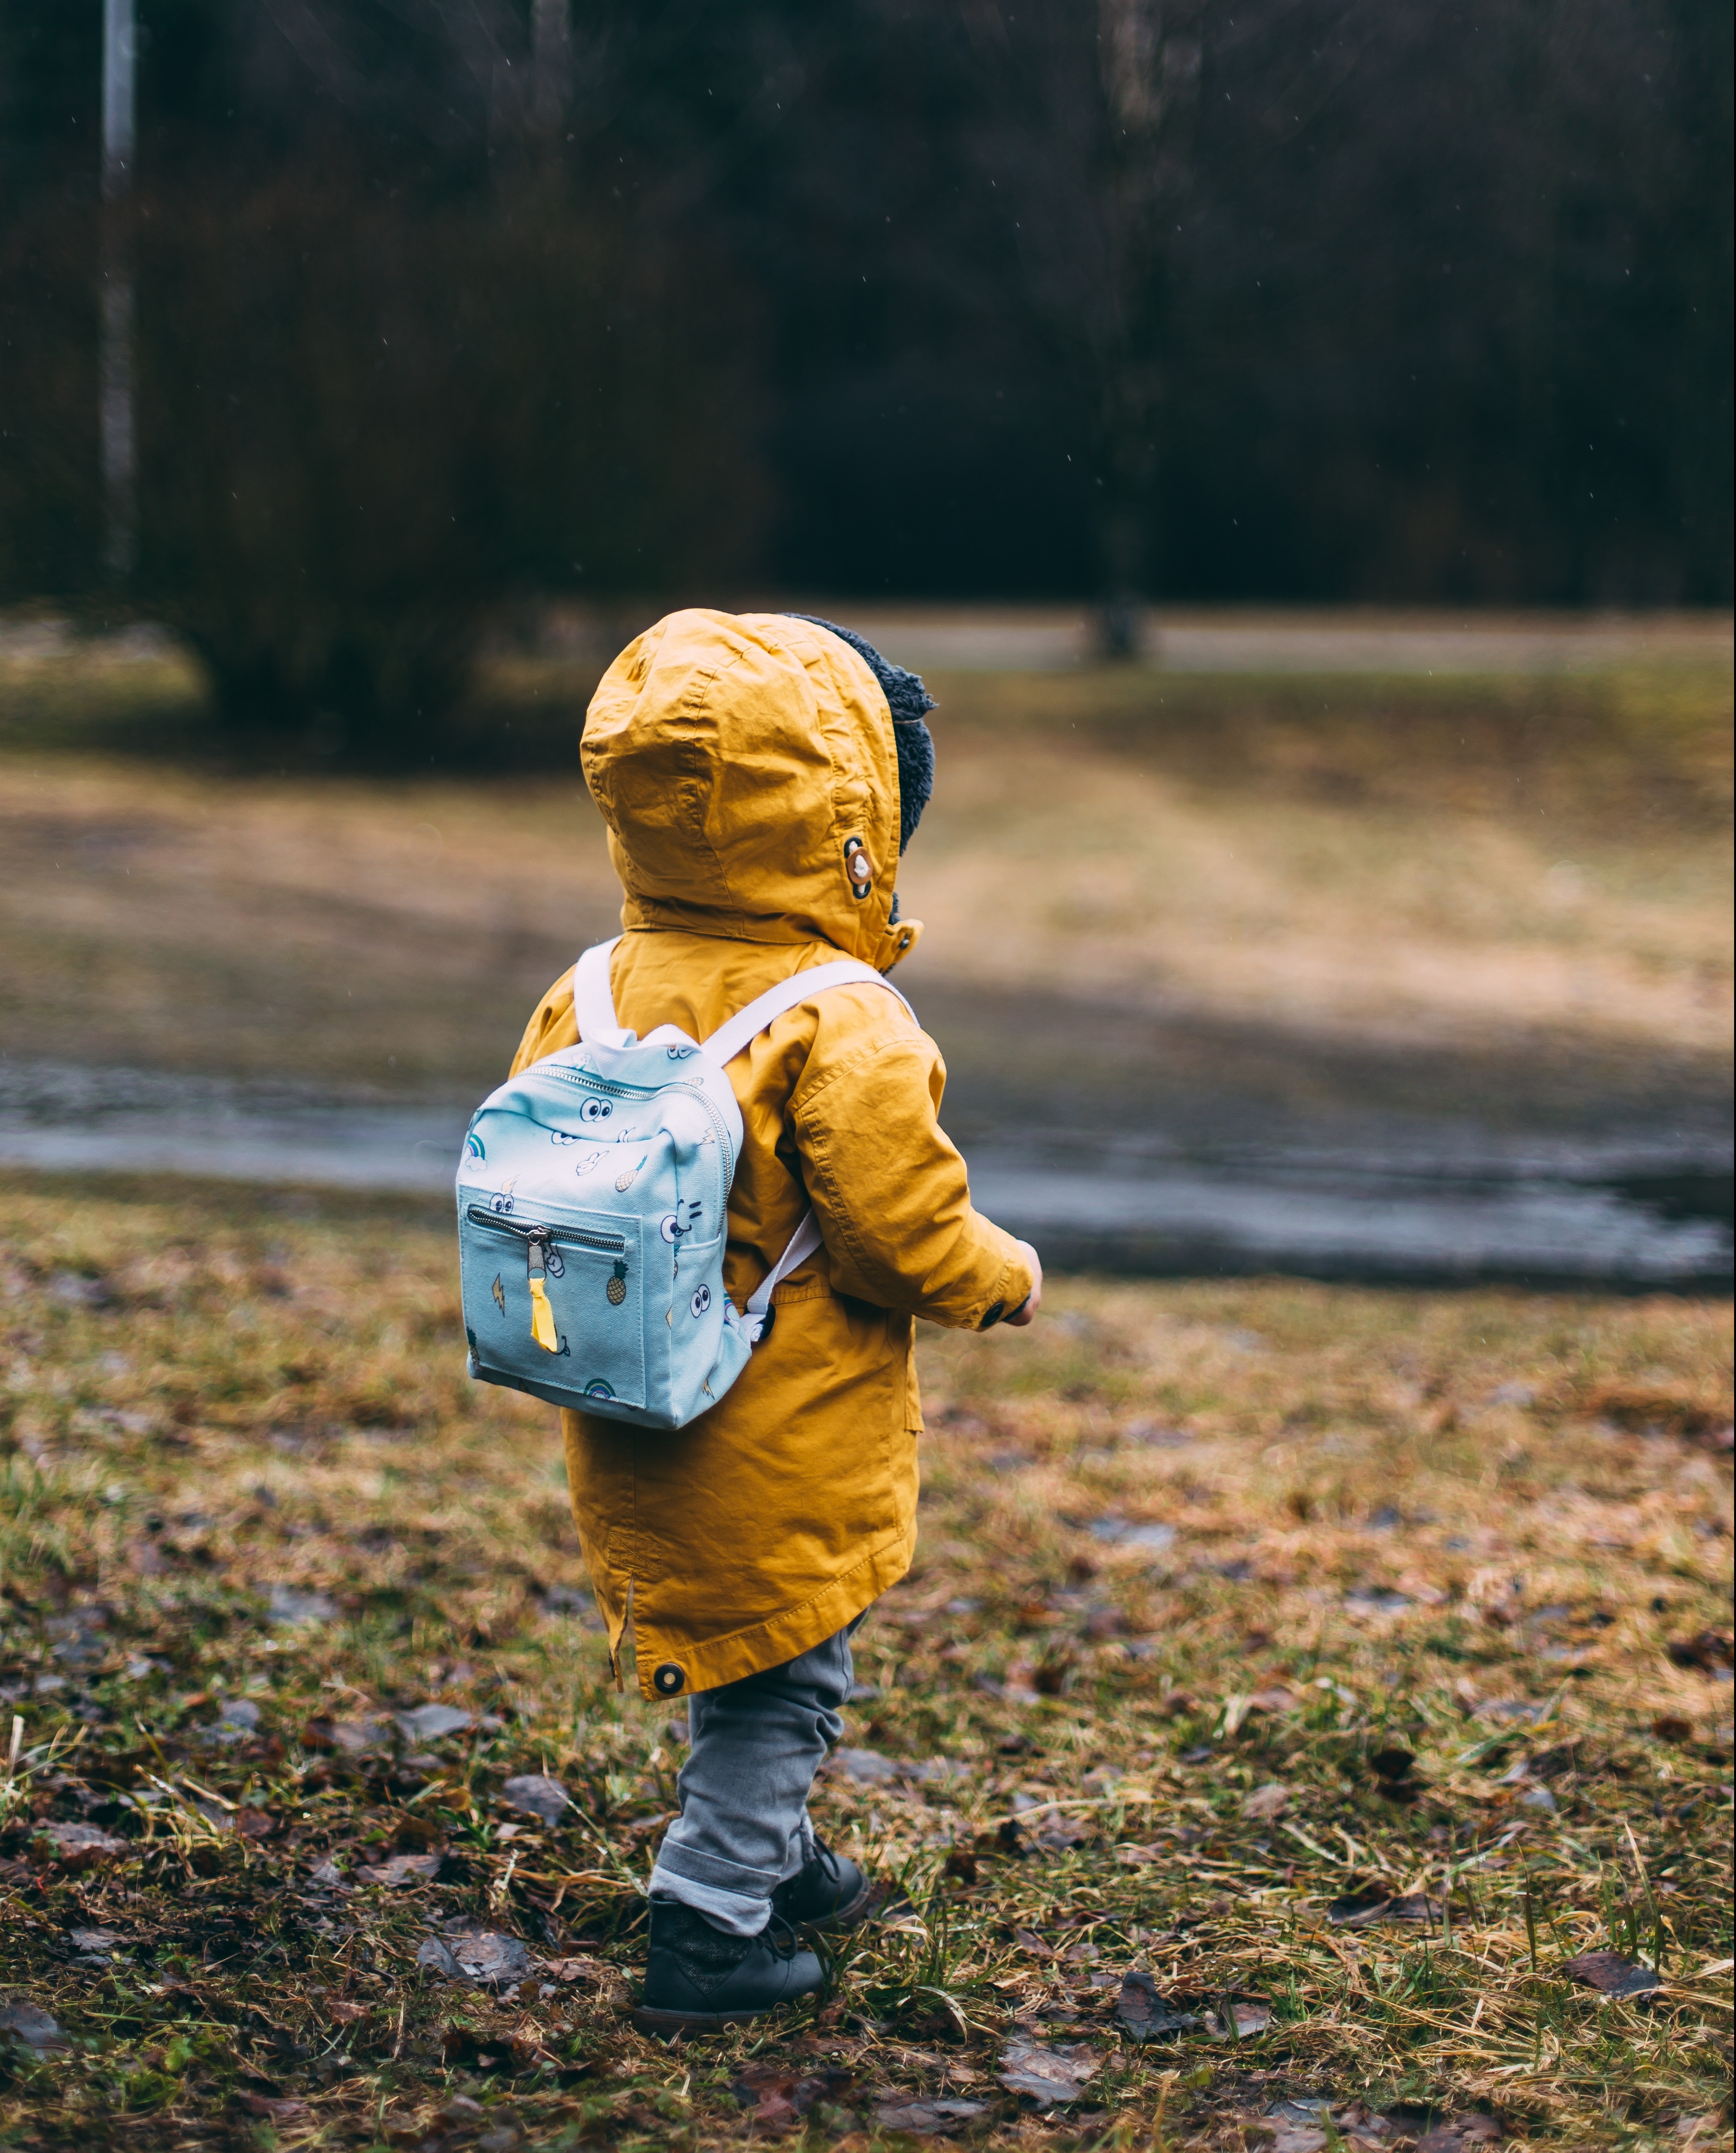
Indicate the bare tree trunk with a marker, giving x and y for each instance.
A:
(114, 372)
(551, 63)
(1150, 64)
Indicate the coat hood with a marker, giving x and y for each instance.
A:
(746, 766)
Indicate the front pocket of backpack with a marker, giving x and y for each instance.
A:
(584, 1331)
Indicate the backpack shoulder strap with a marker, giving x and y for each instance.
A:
(729, 1040)
(593, 999)
(803, 1243)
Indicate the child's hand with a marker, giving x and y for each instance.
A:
(1028, 1307)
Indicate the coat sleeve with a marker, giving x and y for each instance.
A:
(891, 1194)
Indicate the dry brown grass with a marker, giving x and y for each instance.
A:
(1470, 1528)
(1465, 860)
(1541, 859)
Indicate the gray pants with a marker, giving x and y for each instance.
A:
(743, 1825)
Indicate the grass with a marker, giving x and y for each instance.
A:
(1540, 863)
(251, 1509)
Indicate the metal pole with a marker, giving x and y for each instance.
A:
(115, 391)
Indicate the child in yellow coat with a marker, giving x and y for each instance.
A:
(760, 775)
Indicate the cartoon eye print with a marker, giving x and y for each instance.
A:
(701, 1300)
(597, 1110)
(673, 1225)
(501, 1204)
(559, 1137)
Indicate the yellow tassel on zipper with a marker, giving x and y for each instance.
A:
(542, 1318)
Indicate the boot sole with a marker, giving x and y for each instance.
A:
(667, 2023)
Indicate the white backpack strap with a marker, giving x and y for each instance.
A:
(729, 1040)
(593, 999)
(803, 1243)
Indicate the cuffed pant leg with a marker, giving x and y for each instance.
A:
(743, 1824)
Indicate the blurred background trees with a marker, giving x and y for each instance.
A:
(443, 305)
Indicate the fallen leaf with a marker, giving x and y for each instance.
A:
(1671, 1728)
(576, 1969)
(1304, 2113)
(1611, 1974)
(1250, 2016)
(1270, 1800)
(1028, 1941)
(95, 1943)
(343, 2010)
(485, 1956)
(926, 2119)
(1364, 1909)
(463, 2048)
(29, 2024)
(75, 1845)
(1710, 1650)
(265, 2105)
(779, 2096)
(537, 1795)
(866, 1767)
(1458, 2131)
(357, 1737)
(1119, 1532)
(1145, 2014)
(403, 1869)
(1272, 1700)
(1052, 2076)
(427, 1723)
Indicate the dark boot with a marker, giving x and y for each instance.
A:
(831, 1892)
(701, 1979)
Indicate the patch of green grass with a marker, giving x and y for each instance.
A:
(252, 1509)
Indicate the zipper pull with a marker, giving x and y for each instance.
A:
(542, 1316)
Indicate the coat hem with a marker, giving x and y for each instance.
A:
(782, 1637)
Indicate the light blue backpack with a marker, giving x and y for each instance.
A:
(592, 1202)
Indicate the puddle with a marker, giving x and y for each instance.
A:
(1420, 1201)
(1351, 1223)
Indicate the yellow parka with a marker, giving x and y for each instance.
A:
(734, 759)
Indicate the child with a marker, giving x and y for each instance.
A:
(760, 776)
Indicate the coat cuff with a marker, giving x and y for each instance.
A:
(1012, 1290)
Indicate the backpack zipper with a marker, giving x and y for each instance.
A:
(717, 1122)
(608, 1245)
